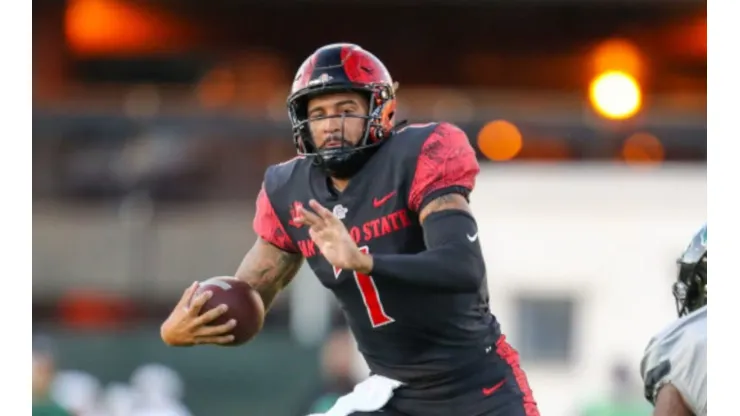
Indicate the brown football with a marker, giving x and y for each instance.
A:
(245, 306)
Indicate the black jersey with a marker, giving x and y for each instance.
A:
(406, 332)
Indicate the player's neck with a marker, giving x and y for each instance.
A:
(339, 184)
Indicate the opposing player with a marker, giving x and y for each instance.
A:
(380, 211)
(674, 367)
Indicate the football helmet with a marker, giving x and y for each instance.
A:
(343, 67)
(690, 288)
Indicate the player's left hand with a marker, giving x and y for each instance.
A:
(332, 238)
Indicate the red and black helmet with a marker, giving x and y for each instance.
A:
(336, 68)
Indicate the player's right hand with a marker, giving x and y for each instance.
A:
(185, 326)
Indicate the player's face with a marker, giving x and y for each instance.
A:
(328, 127)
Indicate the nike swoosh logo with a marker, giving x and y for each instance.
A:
(490, 390)
(472, 238)
(378, 202)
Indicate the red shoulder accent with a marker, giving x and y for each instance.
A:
(267, 224)
(446, 160)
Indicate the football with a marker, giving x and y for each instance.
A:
(245, 305)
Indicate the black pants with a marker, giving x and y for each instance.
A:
(496, 386)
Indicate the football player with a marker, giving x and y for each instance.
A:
(379, 209)
(674, 367)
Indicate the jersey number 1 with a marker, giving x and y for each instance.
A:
(370, 296)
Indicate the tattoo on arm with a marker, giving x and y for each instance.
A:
(670, 403)
(268, 269)
(444, 202)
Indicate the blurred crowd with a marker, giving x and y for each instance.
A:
(152, 390)
(157, 390)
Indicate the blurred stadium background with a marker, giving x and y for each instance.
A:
(154, 121)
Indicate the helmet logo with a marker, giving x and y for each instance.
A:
(322, 79)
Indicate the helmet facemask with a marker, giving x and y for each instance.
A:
(344, 160)
(690, 290)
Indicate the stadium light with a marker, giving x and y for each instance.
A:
(500, 140)
(615, 95)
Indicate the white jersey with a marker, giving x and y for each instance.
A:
(678, 355)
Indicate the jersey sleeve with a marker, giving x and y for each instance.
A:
(446, 164)
(267, 225)
(682, 363)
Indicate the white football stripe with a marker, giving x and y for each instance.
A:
(218, 281)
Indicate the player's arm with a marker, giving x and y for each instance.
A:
(445, 176)
(674, 372)
(273, 261)
(269, 266)
(669, 402)
(268, 269)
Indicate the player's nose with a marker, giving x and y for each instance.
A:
(332, 129)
